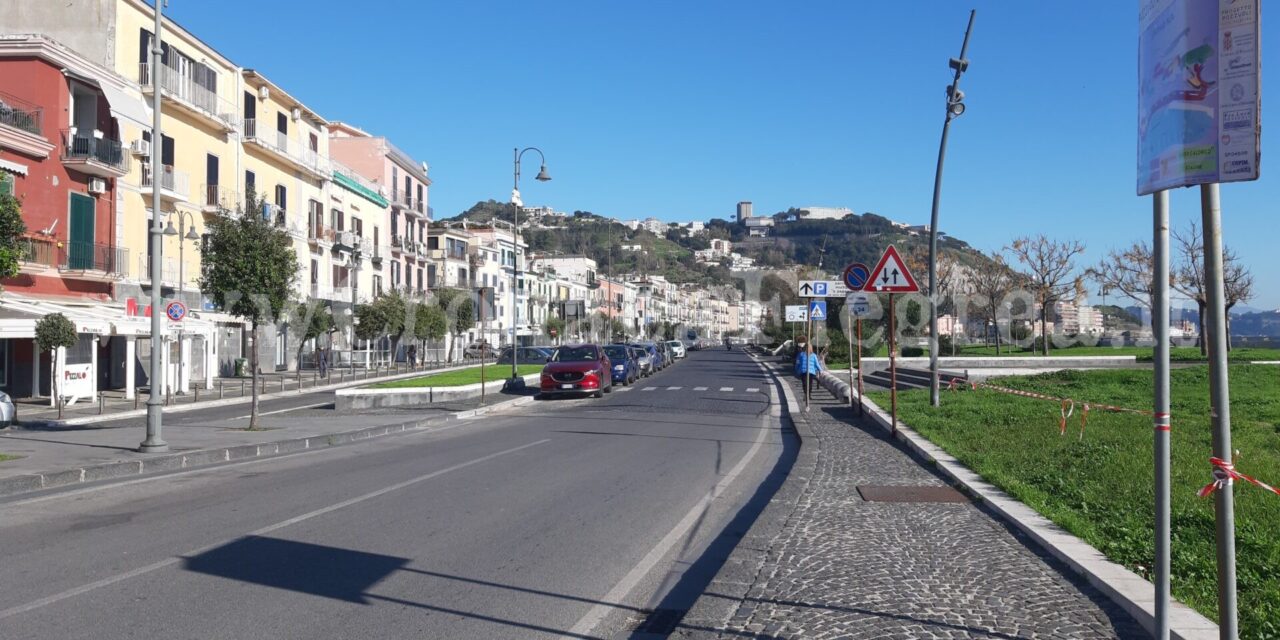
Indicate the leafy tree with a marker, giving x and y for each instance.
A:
(11, 229)
(53, 332)
(248, 266)
(554, 325)
(370, 322)
(1048, 265)
(310, 320)
(429, 323)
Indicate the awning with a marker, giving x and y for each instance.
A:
(13, 167)
(124, 105)
(359, 189)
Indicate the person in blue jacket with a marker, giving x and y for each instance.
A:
(807, 363)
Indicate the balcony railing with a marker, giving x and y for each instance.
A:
(87, 256)
(37, 252)
(78, 147)
(169, 271)
(405, 200)
(171, 180)
(281, 143)
(183, 87)
(220, 198)
(21, 114)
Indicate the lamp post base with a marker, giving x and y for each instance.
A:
(514, 384)
(153, 446)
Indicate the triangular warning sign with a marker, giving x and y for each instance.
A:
(890, 275)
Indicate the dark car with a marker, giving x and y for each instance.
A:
(622, 364)
(577, 369)
(524, 355)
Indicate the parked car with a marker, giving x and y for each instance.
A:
(658, 353)
(577, 369)
(478, 349)
(8, 411)
(668, 358)
(524, 355)
(644, 361)
(622, 364)
(677, 348)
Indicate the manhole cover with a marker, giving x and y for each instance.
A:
(910, 494)
(659, 621)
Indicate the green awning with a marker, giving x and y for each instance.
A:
(360, 190)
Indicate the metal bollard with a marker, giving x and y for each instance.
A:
(241, 387)
(168, 395)
(136, 392)
(281, 384)
(101, 401)
(219, 389)
(197, 392)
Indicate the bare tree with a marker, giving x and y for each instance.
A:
(1048, 264)
(1129, 272)
(1188, 278)
(992, 285)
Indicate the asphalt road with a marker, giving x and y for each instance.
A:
(572, 518)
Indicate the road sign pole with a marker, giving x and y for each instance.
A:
(849, 309)
(808, 349)
(1160, 326)
(1220, 399)
(893, 367)
(861, 406)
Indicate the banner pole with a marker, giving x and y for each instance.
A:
(808, 349)
(1160, 326)
(849, 309)
(1220, 398)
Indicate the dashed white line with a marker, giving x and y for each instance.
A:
(649, 389)
(753, 390)
(674, 388)
(726, 388)
(699, 388)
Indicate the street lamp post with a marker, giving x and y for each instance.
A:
(154, 443)
(955, 107)
(189, 234)
(542, 176)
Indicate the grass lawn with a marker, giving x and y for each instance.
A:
(1100, 487)
(1144, 354)
(460, 377)
(4, 457)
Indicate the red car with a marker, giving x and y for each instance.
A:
(577, 369)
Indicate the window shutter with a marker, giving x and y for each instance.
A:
(6, 184)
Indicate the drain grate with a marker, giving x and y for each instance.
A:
(659, 621)
(882, 493)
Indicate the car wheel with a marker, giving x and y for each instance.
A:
(598, 394)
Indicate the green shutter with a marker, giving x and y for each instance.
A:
(6, 184)
(80, 250)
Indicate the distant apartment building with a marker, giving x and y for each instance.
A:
(824, 213)
(744, 211)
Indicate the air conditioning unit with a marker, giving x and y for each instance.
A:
(264, 93)
(97, 185)
(297, 114)
(141, 147)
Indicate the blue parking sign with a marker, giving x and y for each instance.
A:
(818, 310)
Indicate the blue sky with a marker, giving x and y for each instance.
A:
(678, 110)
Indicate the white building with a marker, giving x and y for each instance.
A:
(825, 213)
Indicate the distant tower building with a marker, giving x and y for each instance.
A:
(744, 211)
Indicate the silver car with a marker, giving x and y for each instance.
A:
(8, 412)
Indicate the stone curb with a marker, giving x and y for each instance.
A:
(741, 570)
(17, 485)
(1127, 589)
(227, 402)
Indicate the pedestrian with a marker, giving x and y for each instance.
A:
(808, 366)
(413, 356)
(322, 361)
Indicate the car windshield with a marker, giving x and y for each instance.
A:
(617, 354)
(575, 354)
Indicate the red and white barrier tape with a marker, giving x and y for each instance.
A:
(1068, 405)
(1224, 473)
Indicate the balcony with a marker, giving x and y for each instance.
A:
(36, 255)
(405, 201)
(174, 185)
(188, 96)
(218, 198)
(320, 235)
(346, 241)
(286, 148)
(170, 272)
(408, 247)
(20, 127)
(94, 156)
(88, 261)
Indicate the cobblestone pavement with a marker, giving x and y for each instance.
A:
(836, 566)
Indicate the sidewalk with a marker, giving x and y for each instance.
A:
(55, 454)
(114, 405)
(823, 562)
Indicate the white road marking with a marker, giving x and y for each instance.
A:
(648, 388)
(272, 413)
(622, 389)
(726, 388)
(753, 390)
(587, 624)
(674, 388)
(71, 593)
(699, 388)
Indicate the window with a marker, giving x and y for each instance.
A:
(282, 123)
(315, 272)
(250, 184)
(336, 219)
(395, 274)
(6, 184)
(4, 363)
(420, 283)
(408, 277)
(357, 226)
(420, 204)
(250, 107)
(282, 197)
(315, 143)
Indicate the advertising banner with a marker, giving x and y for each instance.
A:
(77, 382)
(1199, 116)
